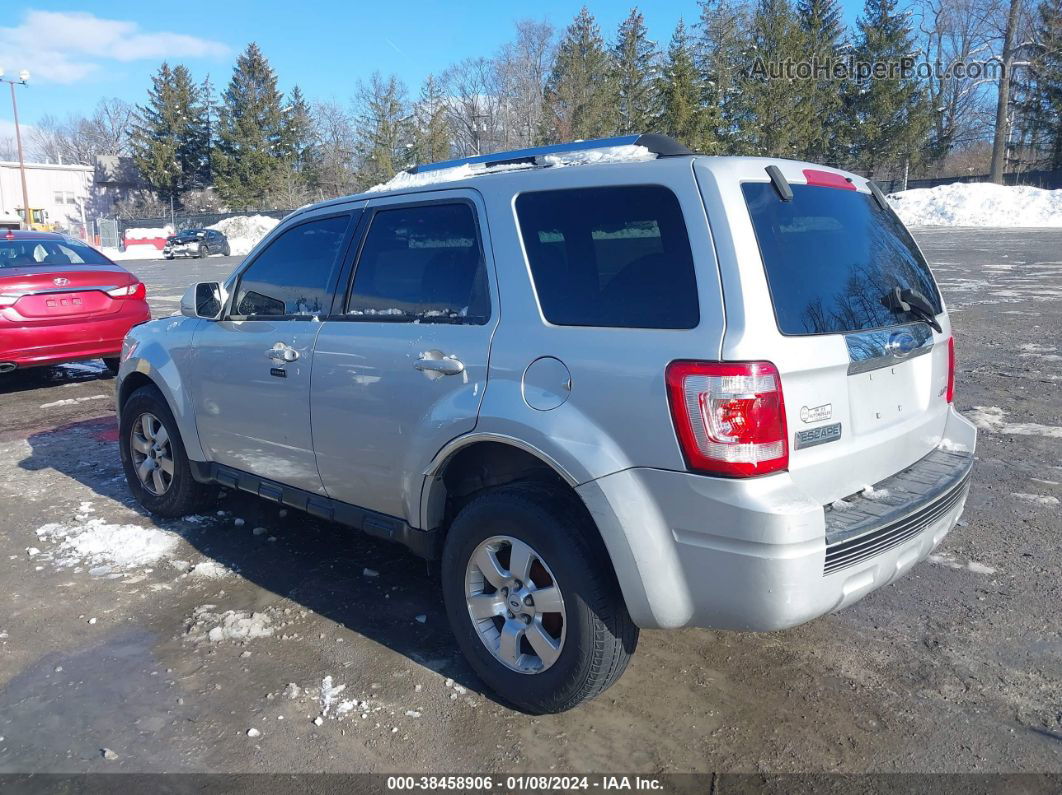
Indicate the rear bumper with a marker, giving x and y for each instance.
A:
(758, 555)
(42, 344)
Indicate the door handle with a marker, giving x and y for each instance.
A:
(282, 353)
(434, 362)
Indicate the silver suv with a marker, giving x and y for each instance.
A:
(606, 385)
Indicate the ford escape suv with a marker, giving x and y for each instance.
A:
(606, 386)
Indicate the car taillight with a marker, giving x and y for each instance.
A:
(950, 394)
(729, 416)
(131, 291)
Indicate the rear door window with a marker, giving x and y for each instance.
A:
(831, 257)
(422, 264)
(616, 256)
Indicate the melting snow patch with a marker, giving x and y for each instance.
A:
(944, 559)
(230, 625)
(840, 505)
(991, 418)
(953, 447)
(872, 493)
(96, 543)
(210, 570)
(72, 401)
(1039, 499)
(329, 692)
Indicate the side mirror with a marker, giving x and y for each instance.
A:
(204, 300)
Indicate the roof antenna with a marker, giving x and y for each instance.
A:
(780, 184)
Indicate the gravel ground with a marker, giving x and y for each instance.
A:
(255, 640)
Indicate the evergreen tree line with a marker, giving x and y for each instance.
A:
(716, 86)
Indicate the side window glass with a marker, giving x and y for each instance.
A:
(611, 257)
(424, 265)
(292, 276)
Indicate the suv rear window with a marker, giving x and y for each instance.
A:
(617, 256)
(831, 257)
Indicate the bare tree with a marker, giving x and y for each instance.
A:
(474, 106)
(79, 139)
(522, 68)
(1014, 17)
(954, 33)
(334, 149)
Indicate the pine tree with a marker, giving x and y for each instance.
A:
(887, 113)
(684, 114)
(169, 140)
(251, 142)
(820, 21)
(635, 58)
(1044, 105)
(774, 113)
(580, 93)
(298, 135)
(721, 48)
(432, 139)
(383, 132)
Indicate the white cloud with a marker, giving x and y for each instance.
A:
(64, 47)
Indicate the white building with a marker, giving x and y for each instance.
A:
(62, 191)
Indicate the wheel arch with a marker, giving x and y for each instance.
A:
(144, 375)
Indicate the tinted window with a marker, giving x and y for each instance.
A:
(831, 256)
(422, 264)
(610, 257)
(28, 253)
(292, 276)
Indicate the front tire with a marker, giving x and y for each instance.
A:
(532, 598)
(203, 251)
(154, 459)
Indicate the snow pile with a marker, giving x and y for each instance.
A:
(979, 204)
(404, 180)
(147, 233)
(230, 625)
(95, 542)
(244, 231)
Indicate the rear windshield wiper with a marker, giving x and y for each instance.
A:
(905, 299)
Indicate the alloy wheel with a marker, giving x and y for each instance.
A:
(515, 604)
(149, 445)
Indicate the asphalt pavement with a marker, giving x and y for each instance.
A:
(249, 639)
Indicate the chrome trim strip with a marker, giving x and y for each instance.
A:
(50, 291)
(874, 350)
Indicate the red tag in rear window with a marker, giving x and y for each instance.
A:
(827, 179)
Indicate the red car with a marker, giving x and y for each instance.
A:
(63, 301)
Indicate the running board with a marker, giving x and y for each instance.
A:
(423, 543)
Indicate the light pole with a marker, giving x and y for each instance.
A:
(23, 76)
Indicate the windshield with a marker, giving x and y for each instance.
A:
(833, 257)
(28, 253)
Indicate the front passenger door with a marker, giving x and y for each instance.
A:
(252, 394)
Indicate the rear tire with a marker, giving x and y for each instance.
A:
(591, 635)
(182, 494)
(112, 364)
(228, 250)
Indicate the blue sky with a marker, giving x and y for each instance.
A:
(80, 52)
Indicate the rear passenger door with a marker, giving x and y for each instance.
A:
(401, 365)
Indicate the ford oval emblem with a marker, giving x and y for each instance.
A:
(59, 281)
(901, 343)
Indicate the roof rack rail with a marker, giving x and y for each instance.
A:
(660, 145)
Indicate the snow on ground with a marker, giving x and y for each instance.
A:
(206, 625)
(403, 180)
(946, 559)
(244, 231)
(993, 420)
(979, 204)
(101, 544)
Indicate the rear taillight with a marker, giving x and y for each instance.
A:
(950, 394)
(130, 291)
(729, 416)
